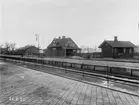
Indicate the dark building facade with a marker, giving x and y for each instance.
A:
(27, 50)
(62, 47)
(117, 49)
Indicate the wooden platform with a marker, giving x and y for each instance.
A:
(22, 86)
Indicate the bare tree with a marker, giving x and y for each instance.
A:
(12, 46)
(1, 45)
(7, 47)
(95, 48)
(1, 48)
(82, 48)
(87, 49)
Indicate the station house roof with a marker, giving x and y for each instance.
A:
(64, 42)
(116, 43)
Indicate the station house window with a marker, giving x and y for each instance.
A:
(130, 50)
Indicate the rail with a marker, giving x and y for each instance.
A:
(127, 74)
(66, 66)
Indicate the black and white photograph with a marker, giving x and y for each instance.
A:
(69, 52)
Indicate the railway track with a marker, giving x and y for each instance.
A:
(76, 68)
(107, 77)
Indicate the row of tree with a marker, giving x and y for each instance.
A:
(87, 49)
(7, 48)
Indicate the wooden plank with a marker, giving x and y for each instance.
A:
(64, 82)
(47, 97)
(25, 97)
(124, 99)
(67, 100)
(77, 94)
(99, 97)
(15, 92)
(105, 96)
(21, 92)
(85, 95)
(82, 95)
(48, 85)
(111, 97)
(10, 89)
(93, 100)
(56, 100)
(136, 99)
(130, 99)
(117, 98)
(88, 95)
(67, 94)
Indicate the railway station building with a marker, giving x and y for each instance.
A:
(62, 46)
(117, 49)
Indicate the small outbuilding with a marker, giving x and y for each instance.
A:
(117, 49)
(28, 50)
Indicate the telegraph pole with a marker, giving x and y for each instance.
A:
(37, 39)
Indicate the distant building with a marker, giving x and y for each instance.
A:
(117, 49)
(62, 47)
(28, 50)
(137, 49)
(2, 50)
(136, 54)
(96, 55)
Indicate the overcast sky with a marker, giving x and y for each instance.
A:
(87, 22)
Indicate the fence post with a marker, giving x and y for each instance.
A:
(62, 64)
(23, 61)
(94, 67)
(131, 72)
(82, 68)
(42, 63)
(107, 76)
(110, 70)
(35, 63)
(19, 59)
(71, 65)
(4, 59)
(65, 67)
